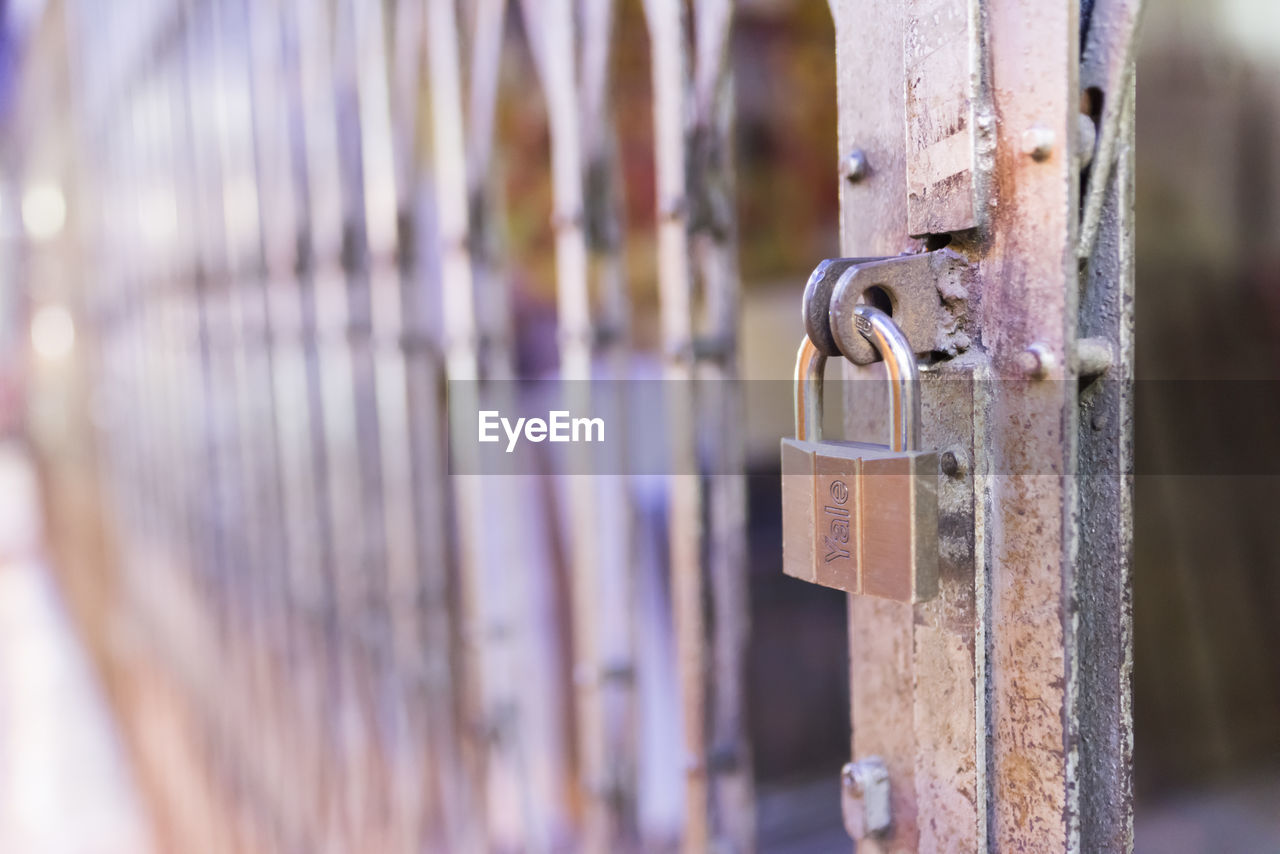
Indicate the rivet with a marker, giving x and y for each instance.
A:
(854, 166)
(1038, 142)
(953, 463)
(1036, 361)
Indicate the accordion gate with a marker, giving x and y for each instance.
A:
(290, 237)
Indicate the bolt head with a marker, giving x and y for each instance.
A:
(854, 166)
(1037, 361)
(953, 463)
(1038, 142)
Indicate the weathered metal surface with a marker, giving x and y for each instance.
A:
(1102, 695)
(990, 674)
(941, 54)
(1029, 297)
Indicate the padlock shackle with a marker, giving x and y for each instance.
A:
(810, 362)
(904, 374)
(904, 380)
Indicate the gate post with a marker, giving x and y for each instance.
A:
(1002, 707)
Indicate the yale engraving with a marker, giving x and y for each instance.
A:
(837, 538)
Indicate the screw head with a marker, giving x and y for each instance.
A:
(1036, 361)
(1038, 142)
(854, 166)
(953, 463)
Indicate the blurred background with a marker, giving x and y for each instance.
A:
(243, 606)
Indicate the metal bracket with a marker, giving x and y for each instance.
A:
(916, 290)
(864, 797)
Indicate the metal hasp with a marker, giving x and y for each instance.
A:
(924, 294)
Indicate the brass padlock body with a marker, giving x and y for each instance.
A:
(856, 514)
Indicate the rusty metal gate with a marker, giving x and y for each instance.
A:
(327, 633)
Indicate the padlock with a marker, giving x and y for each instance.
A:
(860, 517)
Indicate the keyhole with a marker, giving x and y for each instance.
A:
(877, 297)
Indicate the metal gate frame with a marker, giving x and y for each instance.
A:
(1002, 708)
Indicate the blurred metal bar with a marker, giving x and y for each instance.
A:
(243, 212)
(204, 339)
(297, 421)
(692, 108)
(603, 231)
(369, 238)
(668, 32)
(573, 62)
(352, 530)
(386, 150)
(715, 252)
(424, 621)
(236, 511)
(468, 811)
(576, 334)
